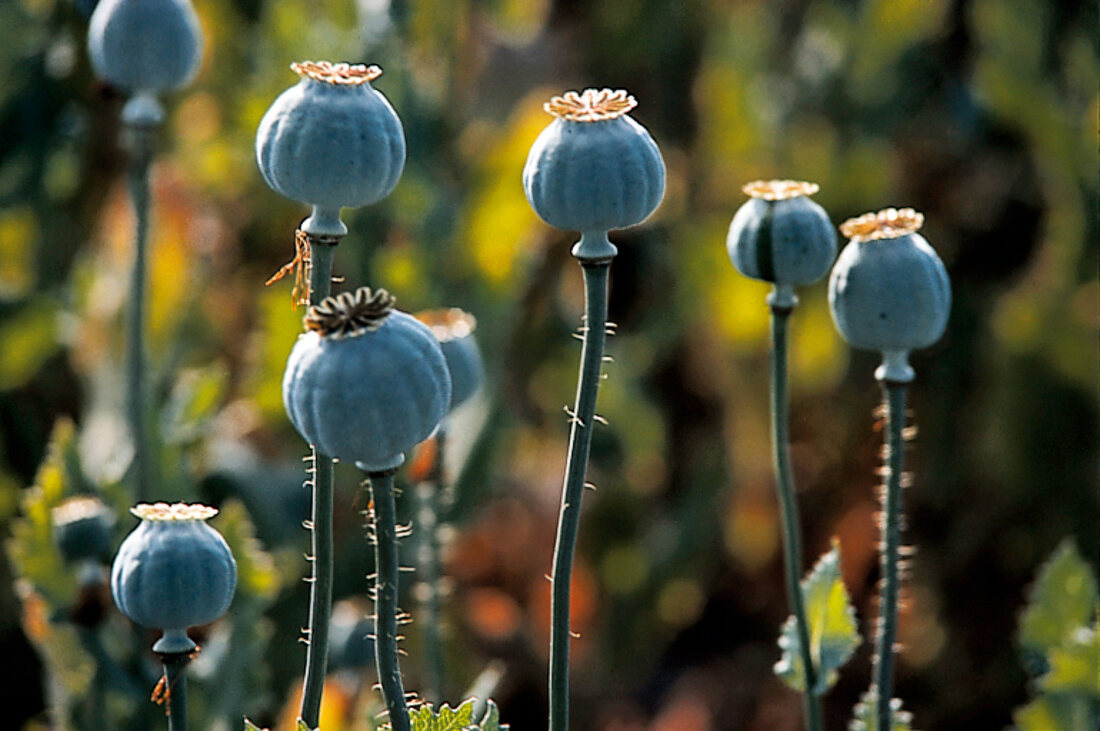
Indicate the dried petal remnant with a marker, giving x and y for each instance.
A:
(174, 512)
(778, 190)
(337, 74)
(350, 313)
(448, 324)
(591, 105)
(889, 223)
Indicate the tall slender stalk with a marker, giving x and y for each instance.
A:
(386, 574)
(141, 140)
(321, 253)
(596, 273)
(175, 680)
(788, 501)
(894, 398)
(430, 499)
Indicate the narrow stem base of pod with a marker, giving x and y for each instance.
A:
(594, 248)
(895, 367)
(325, 223)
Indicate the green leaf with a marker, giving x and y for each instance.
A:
(866, 720)
(491, 720)
(1075, 667)
(832, 620)
(1061, 711)
(425, 718)
(1061, 601)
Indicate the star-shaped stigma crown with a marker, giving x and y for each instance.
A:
(778, 190)
(591, 105)
(337, 74)
(349, 314)
(889, 223)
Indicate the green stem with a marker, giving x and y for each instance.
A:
(386, 573)
(141, 141)
(788, 501)
(894, 397)
(596, 271)
(430, 495)
(320, 590)
(176, 687)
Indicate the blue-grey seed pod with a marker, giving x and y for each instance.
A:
(145, 46)
(780, 235)
(83, 526)
(594, 168)
(173, 572)
(889, 291)
(331, 141)
(366, 383)
(454, 329)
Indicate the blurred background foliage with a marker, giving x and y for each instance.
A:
(980, 113)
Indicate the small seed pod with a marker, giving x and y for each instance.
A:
(781, 236)
(331, 141)
(594, 168)
(145, 47)
(454, 329)
(173, 572)
(82, 527)
(889, 291)
(367, 382)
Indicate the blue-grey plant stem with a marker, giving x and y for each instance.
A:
(596, 274)
(430, 498)
(321, 252)
(175, 680)
(894, 397)
(788, 503)
(386, 572)
(141, 139)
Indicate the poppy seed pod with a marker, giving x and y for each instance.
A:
(173, 572)
(781, 236)
(82, 527)
(889, 291)
(332, 141)
(454, 329)
(594, 168)
(367, 382)
(145, 47)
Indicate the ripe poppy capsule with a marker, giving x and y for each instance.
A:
(145, 47)
(594, 168)
(889, 291)
(331, 141)
(454, 329)
(366, 383)
(173, 572)
(780, 235)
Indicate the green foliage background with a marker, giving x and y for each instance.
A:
(980, 113)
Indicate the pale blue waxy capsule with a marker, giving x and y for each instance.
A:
(332, 141)
(781, 236)
(594, 169)
(145, 47)
(173, 572)
(889, 291)
(367, 382)
(454, 329)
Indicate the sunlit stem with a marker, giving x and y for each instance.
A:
(175, 683)
(141, 139)
(782, 303)
(883, 676)
(320, 590)
(594, 253)
(386, 572)
(430, 498)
